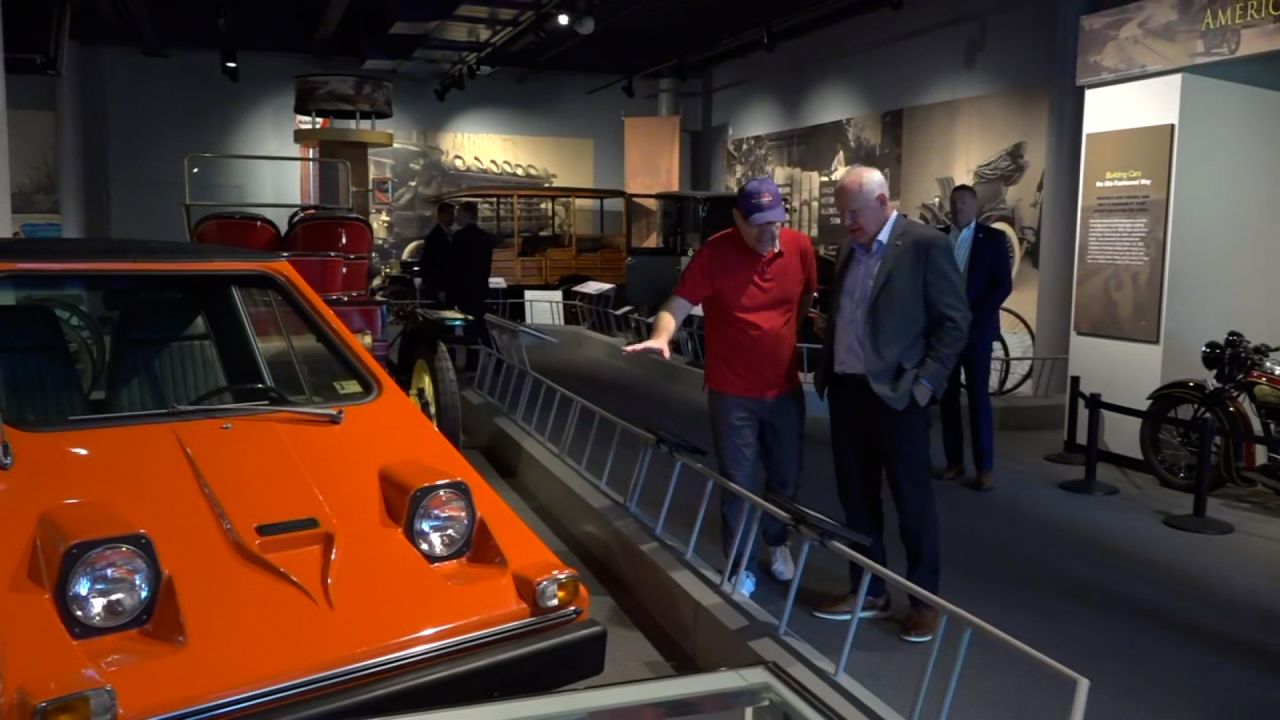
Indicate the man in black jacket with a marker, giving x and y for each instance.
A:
(982, 254)
(470, 261)
(433, 262)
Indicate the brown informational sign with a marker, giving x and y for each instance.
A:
(1121, 244)
(1154, 36)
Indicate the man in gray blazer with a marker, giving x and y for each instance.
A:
(899, 319)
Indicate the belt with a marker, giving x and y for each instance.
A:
(852, 377)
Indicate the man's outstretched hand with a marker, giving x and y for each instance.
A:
(657, 347)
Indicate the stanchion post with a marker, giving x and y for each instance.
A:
(1199, 521)
(1089, 484)
(1069, 455)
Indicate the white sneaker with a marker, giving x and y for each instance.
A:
(781, 564)
(748, 584)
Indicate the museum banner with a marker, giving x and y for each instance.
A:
(1154, 36)
(1121, 244)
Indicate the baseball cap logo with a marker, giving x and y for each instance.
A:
(764, 198)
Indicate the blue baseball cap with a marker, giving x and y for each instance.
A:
(760, 202)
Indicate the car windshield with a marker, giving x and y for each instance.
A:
(119, 347)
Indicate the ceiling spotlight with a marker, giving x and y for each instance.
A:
(769, 41)
(563, 19)
(629, 88)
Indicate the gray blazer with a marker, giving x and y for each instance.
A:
(918, 317)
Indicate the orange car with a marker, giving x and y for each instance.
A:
(215, 503)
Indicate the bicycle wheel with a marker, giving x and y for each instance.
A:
(1020, 340)
(999, 367)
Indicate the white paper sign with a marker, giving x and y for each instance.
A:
(543, 307)
(593, 287)
(497, 283)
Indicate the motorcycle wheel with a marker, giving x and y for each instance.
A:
(1170, 450)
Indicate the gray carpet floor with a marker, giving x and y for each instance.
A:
(1166, 625)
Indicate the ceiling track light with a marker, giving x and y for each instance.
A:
(563, 19)
(441, 93)
(472, 71)
(629, 88)
(768, 40)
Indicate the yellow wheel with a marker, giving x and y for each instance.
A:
(422, 389)
(433, 384)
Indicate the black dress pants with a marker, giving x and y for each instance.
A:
(873, 442)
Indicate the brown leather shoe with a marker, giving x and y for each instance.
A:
(920, 625)
(949, 474)
(982, 483)
(841, 608)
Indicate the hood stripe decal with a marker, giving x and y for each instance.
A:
(237, 542)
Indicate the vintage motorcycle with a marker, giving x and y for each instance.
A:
(1245, 386)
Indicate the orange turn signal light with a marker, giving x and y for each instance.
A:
(557, 590)
(99, 704)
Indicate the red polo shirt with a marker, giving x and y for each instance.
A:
(751, 302)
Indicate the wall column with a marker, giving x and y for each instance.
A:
(1061, 186)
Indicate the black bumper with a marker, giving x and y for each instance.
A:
(540, 662)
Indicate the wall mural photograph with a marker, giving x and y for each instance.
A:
(424, 164)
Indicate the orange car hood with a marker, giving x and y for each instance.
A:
(238, 611)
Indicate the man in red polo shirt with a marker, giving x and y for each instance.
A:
(754, 282)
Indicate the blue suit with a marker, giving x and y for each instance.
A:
(988, 282)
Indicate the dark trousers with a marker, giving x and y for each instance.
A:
(976, 364)
(871, 442)
(749, 432)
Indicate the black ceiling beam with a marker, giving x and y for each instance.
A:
(489, 22)
(502, 4)
(460, 46)
(139, 18)
(333, 14)
(785, 27)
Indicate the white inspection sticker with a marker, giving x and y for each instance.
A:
(347, 387)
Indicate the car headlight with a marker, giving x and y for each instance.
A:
(108, 585)
(441, 521)
(98, 704)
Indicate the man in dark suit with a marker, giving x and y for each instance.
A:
(898, 321)
(982, 254)
(470, 260)
(467, 283)
(433, 262)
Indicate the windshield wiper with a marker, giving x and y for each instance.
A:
(334, 416)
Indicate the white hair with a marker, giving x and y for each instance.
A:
(866, 181)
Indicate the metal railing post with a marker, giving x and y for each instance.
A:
(567, 436)
(955, 674)
(666, 502)
(697, 523)
(795, 586)
(524, 399)
(733, 549)
(591, 440)
(859, 600)
(749, 551)
(613, 448)
(637, 479)
(928, 670)
(555, 407)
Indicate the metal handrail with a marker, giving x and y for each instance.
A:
(753, 511)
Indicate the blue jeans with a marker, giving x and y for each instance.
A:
(749, 432)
